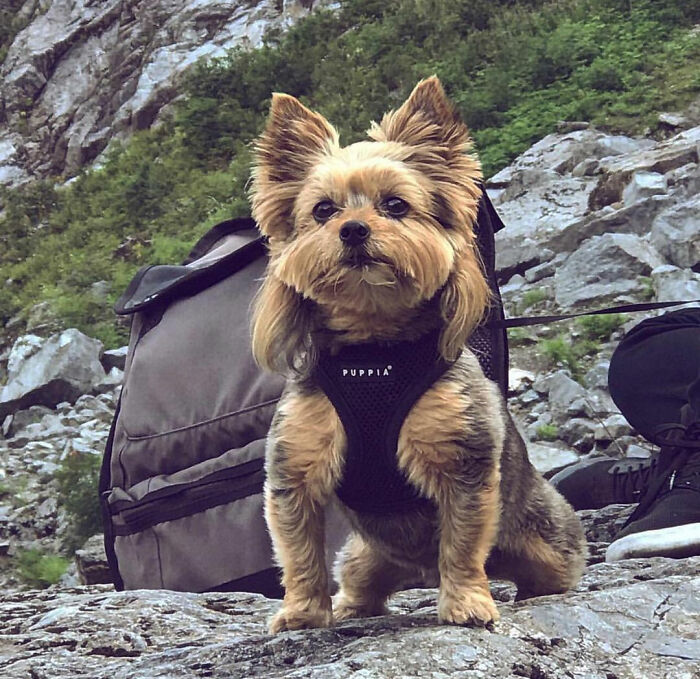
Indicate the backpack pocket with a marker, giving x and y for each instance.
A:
(196, 529)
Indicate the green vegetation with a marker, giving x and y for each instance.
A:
(78, 479)
(599, 328)
(548, 432)
(532, 297)
(563, 351)
(514, 68)
(10, 24)
(647, 288)
(40, 570)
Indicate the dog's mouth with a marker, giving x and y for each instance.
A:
(360, 260)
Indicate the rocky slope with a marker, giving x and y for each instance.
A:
(86, 71)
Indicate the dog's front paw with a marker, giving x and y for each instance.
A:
(290, 618)
(473, 607)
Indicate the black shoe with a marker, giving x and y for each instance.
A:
(601, 481)
(667, 520)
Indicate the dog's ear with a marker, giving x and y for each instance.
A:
(281, 329)
(426, 118)
(293, 140)
(438, 145)
(464, 301)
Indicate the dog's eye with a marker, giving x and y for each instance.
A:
(324, 210)
(395, 207)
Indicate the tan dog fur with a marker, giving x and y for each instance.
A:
(457, 446)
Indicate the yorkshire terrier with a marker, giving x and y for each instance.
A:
(373, 287)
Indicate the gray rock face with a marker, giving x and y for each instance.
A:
(633, 620)
(84, 72)
(604, 267)
(47, 372)
(675, 233)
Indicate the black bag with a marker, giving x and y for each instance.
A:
(182, 475)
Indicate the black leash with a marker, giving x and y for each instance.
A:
(622, 308)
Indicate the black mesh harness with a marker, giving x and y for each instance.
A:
(372, 387)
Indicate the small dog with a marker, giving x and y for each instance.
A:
(373, 258)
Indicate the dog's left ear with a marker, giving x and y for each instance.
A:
(438, 145)
(292, 142)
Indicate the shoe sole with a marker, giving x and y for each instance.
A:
(675, 542)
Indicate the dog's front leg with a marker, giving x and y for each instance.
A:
(469, 511)
(453, 456)
(304, 456)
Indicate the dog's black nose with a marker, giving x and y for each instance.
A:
(354, 233)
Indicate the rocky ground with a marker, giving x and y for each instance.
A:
(632, 620)
(592, 219)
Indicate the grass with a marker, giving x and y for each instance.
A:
(78, 478)
(562, 351)
(514, 69)
(548, 432)
(40, 570)
(599, 327)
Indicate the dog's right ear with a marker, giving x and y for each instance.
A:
(292, 142)
(282, 326)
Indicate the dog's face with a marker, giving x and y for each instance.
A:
(369, 233)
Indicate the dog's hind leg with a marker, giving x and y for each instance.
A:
(542, 549)
(367, 579)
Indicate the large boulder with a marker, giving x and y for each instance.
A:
(603, 268)
(675, 233)
(47, 372)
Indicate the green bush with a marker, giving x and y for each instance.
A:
(78, 478)
(40, 570)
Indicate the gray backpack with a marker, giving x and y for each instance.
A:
(182, 475)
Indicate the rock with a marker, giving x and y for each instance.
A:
(631, 619)
(114, 358)
(642, 185)
(622, 218)
(603, 268)
(91, 561)
(673, 284)
(636, 451)
(661, 158)
(612, 428)
(597, 376)
(675, 233)
(512, 257)
(109, 382)
(537, 273)
(562, 392)
(23, 418)
(41, 319)
(674, 121)
(58, 369)
(519, 380)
